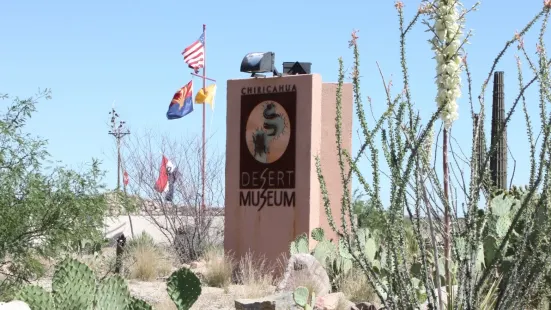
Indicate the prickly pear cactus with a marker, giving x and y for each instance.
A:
(112, 294)
(318, 234)
(184, 288)
(502, 225)
(370, 249)
(138, 304)
(36, 297)
(300, 245)
(324, 251)
(301, 296)
(343, 250)
(73, 285)
(502, 205)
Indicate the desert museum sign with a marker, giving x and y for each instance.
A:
(275, 129)
(267, 146)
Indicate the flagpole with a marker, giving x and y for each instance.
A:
(204, 111)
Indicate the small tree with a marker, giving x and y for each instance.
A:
(185, 226)
(44, 211)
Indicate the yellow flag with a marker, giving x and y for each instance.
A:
(206, 97)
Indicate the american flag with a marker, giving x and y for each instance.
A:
(194, 55)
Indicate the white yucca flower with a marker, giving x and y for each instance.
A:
(446, 43)
(426, 148)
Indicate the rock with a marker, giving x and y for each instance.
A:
(281, 301)
(255, 304)
(305, 270)
(366, 306)
(14, 305)
(334, 301)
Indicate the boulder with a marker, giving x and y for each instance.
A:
(305, 270)
(280, 301)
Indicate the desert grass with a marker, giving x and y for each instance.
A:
(255, 275)
(355, 286)
(146, 261)
(218, 268)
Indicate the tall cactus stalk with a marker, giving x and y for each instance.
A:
(480, 146)
(480, 143)
(498, 159)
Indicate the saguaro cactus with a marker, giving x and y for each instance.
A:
(498, 159)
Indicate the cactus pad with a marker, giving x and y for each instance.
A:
(184, 288)
(370, 249)
(300, 245)
(490, 249)
(343, 250)
(324, 250)
(318, 234)
(300, 295)
(112, 294)
(138, 304)
(36, 297)
(502, 226)
(73, 285)
(501, 205)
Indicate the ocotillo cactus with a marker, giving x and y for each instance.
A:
(498, 159)
(480, 146)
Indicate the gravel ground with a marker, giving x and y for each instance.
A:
(154, 293)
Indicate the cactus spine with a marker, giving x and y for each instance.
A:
(498, 159)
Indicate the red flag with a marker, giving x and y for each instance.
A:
(162, 182)
(125, 178)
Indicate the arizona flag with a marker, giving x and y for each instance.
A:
(167, 178)
(182, 102)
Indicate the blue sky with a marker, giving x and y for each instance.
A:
(94, 52)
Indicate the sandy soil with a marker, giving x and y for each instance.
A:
(154, 293)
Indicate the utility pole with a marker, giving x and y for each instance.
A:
(118, 132)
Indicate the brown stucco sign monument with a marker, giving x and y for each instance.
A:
(275, 127)
(267, 156)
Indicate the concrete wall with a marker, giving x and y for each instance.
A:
(114, 226)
